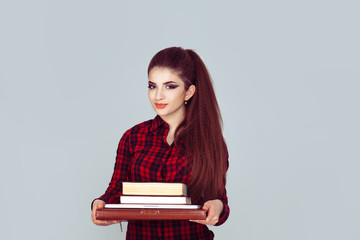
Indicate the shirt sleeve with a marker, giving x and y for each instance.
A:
(226, 210)
(123, 159)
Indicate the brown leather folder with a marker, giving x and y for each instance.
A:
(150, 214)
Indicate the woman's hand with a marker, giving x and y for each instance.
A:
(100, 204)
(214, 209)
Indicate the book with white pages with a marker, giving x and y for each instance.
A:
(154, 188)
(153, 206)
(155, 199)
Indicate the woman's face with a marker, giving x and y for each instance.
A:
(167, 94)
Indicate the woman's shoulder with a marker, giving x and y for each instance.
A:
(142, 127)
(149, 128)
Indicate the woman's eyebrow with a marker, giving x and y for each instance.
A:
(170, 82)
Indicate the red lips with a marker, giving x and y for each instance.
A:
(160, 105)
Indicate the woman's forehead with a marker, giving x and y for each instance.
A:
(163, 75)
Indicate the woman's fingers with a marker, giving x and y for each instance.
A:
(214, 209)
(211, 219)
(97, 204)
(106, 222)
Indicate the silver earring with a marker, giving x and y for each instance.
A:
(185, 102)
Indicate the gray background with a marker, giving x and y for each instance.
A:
(73, 79)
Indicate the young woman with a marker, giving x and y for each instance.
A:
(183, 143)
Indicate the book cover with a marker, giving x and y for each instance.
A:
(150, 214)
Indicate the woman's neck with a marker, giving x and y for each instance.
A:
(173, 124)
(171, 134)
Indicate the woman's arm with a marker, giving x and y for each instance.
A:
(123, 159)
(217, 211)
(112, 193)
(226, 210)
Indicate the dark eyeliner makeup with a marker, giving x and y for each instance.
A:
(171, 86)
(151, 86)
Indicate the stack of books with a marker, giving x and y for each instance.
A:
(152, 201)
(154, 194)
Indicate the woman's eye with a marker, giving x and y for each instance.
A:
(171, 86)
(151, 86)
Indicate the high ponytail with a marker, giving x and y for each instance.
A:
(201, 130)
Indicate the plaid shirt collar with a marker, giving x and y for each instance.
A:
(157, 124)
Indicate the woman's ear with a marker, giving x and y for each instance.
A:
(190, 92)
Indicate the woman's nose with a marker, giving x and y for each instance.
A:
(159, 94)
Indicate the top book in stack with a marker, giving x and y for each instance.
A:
(154, 188)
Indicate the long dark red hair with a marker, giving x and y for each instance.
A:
(201, 130)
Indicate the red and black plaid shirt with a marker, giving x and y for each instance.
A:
(144, 155)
